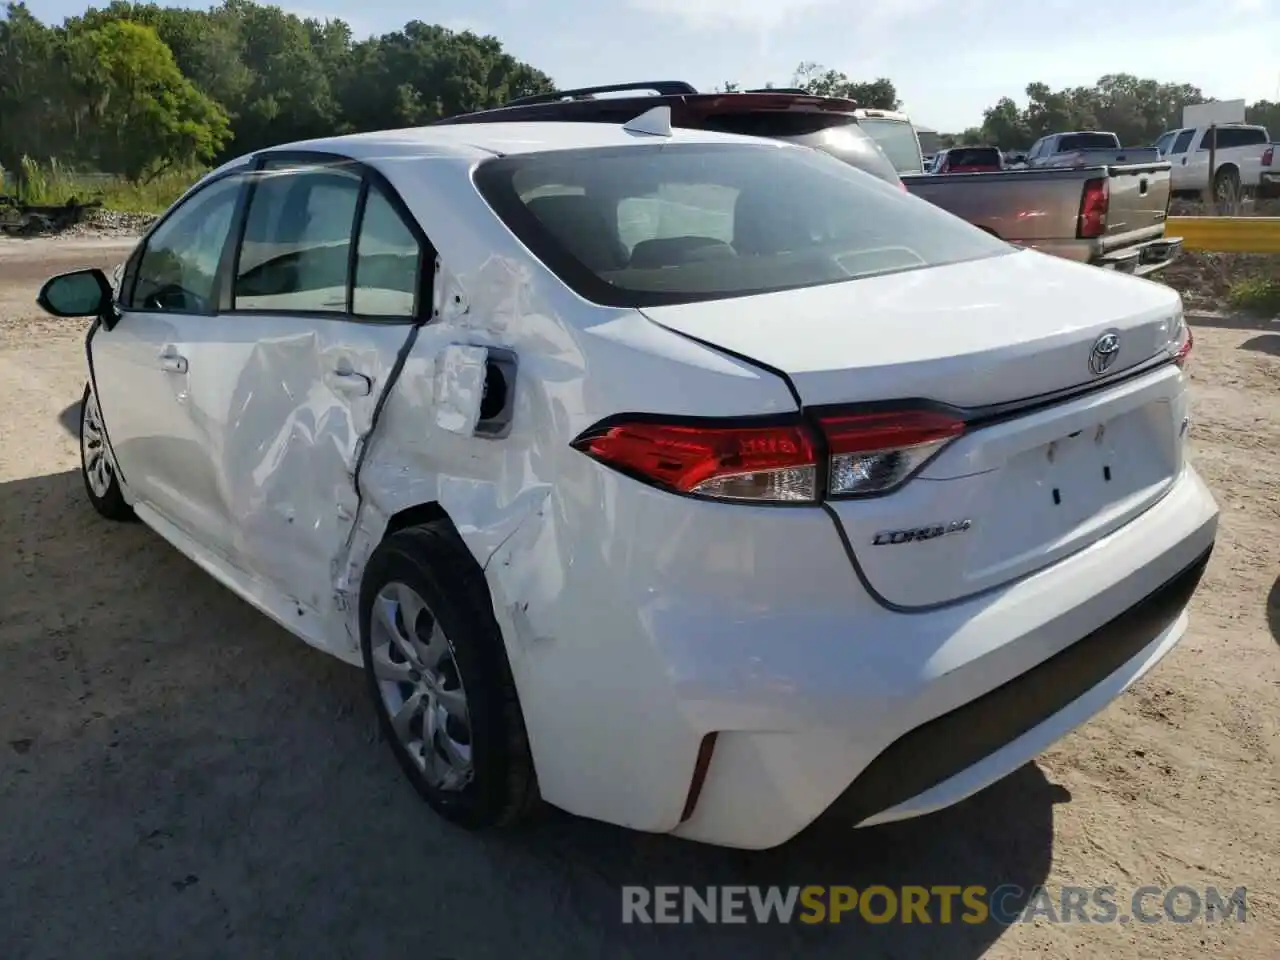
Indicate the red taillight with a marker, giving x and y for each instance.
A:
(1268, 155)
(1093, 208)
(1184, 346)
(778, 462)
(775, 463)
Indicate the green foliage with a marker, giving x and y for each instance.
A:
(52, 184)
(1258, 294)
(1137, 110)
(140, 91)
(142, 115)
(816, 79)
(149, 94)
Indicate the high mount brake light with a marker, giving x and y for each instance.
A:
(777, 462)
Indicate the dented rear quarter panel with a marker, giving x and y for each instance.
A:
(538, 516)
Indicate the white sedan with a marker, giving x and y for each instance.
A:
(686, 481)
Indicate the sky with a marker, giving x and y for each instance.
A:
(950, 59)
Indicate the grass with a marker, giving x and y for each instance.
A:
(52, 184)
(1257, 294)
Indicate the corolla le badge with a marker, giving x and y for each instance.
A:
(916, 534)
(1105, 350)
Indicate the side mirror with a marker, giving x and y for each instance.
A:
(82, 293)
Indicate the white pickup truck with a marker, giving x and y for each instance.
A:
(1242, 154)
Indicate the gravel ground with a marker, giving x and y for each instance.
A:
(181, 778)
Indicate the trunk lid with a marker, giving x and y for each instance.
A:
(1017, 492)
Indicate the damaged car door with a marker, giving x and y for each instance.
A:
(328, 281)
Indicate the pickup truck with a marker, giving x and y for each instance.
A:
(1086, 148)
(1240, 158)
(1110, 216)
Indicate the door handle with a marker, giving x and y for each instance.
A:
(349, 382)
(172, 363)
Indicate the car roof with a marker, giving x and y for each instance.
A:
(479, 140)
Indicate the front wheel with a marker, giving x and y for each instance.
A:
(442, 687)
(96, 466)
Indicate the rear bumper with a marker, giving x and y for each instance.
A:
(633, 640)
(911, 776)
(994, 681)
(1139, 259)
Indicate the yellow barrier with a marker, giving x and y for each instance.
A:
(1226, 234)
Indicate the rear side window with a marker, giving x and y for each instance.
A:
(296, 254)
(897, 138)
(1087, 141)
(1184, 140)
(674, 223)
(1228, 137)
(974, 157)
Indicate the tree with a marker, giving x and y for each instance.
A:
(32, 83)
(145, 114)
(1265, 113)
(816, 79)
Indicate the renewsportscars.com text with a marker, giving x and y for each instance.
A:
(973, 904)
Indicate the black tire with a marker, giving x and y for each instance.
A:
(433, 562)
(110, 502)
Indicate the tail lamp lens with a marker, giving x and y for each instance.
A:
(866, 454)
(875, 452)
(1185, 343)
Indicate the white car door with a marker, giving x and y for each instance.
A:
(168, 297)
(288, 382)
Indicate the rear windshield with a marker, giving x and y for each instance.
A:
(676, 223)
(974, 157)
(836, 134)
(1087, 141)
(897, 138)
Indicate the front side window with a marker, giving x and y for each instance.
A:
(178, 269)
(672, 223)
(297, 240)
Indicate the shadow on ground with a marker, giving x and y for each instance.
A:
(180, 777)
(1268, 343)
(1273, 610)
(69, 420)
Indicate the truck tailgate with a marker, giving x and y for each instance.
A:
(1139, 203)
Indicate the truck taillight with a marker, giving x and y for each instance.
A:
(778, 460)
(1093, 208)
(1268, 155)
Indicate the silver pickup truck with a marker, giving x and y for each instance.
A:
(1110, 216)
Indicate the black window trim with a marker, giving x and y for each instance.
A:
(230, 256)
(501, 197)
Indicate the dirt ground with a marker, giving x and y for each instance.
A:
(181, 778)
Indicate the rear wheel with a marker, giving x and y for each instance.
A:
(1226, 187)
(96, 466)
(441, 685)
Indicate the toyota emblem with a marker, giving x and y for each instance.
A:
(1105, 350)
